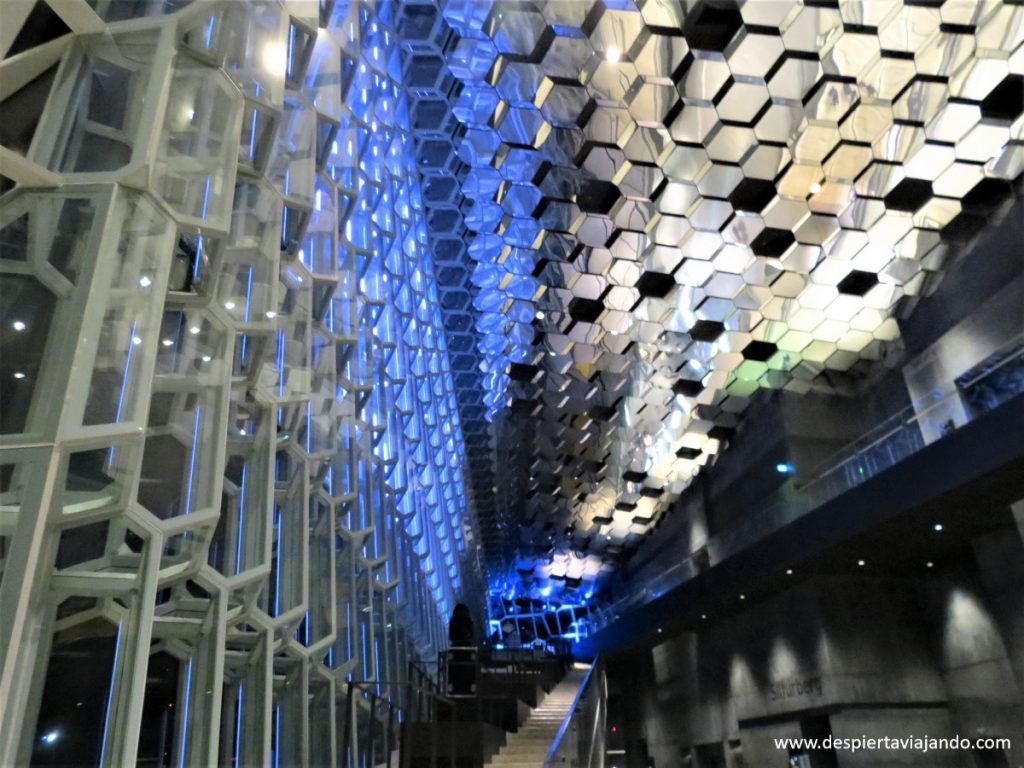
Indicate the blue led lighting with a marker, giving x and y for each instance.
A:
(107, 725)
(183, 751)
(192, 460)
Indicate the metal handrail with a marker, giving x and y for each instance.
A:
(355, 756)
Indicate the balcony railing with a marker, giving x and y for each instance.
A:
(897, 438)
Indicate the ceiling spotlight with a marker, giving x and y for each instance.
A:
(168, 342)
(937, 527)
(194, 330)
(242, 431)
(613, 55)
(229, 305)
(206, 358)
(50, 737)
(145, 281)
(19, 375)
(659, 630)
(136, 340)
(704, 616)
(540, 314)
(18, 325)
(861, 563)
(743, 597)
(930, 564)
(789, 571)
(271, 315)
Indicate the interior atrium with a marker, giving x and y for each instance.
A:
(679, 344)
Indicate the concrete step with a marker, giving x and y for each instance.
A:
(528, 747)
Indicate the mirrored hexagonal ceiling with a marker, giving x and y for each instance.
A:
(645, 212)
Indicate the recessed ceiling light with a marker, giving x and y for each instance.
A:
(743, 597)
(861, 563)
(613, 55)
(704, 616)
(194, 330)
(19, 375)
(206, 358)
(271, 315)
(229, 305)
(789, 571)
(145, 281)
(136, 340)
(167, 342)
(659, 630)
(18, 325)
(938, 526)
(930, 564)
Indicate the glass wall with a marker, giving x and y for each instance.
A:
(231, 465)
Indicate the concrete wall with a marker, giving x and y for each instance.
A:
(936, 656)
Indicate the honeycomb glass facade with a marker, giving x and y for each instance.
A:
(232, 465)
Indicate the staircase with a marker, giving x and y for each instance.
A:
(528, 747)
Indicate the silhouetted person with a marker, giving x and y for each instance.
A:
(460, 628)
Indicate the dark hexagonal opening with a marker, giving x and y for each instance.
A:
(655, 285)
(986, 195)
(521, 372)
(721, 433)
(651, 493)
(706, 330)
(712, 24)
(687, 387)
(634, 477)
(602, 413)
(857, 283)
(752, 195)
(1006, 101)
(585, 310)
(759, 350)
(909, 195)
(597, 196)
(772, 242)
